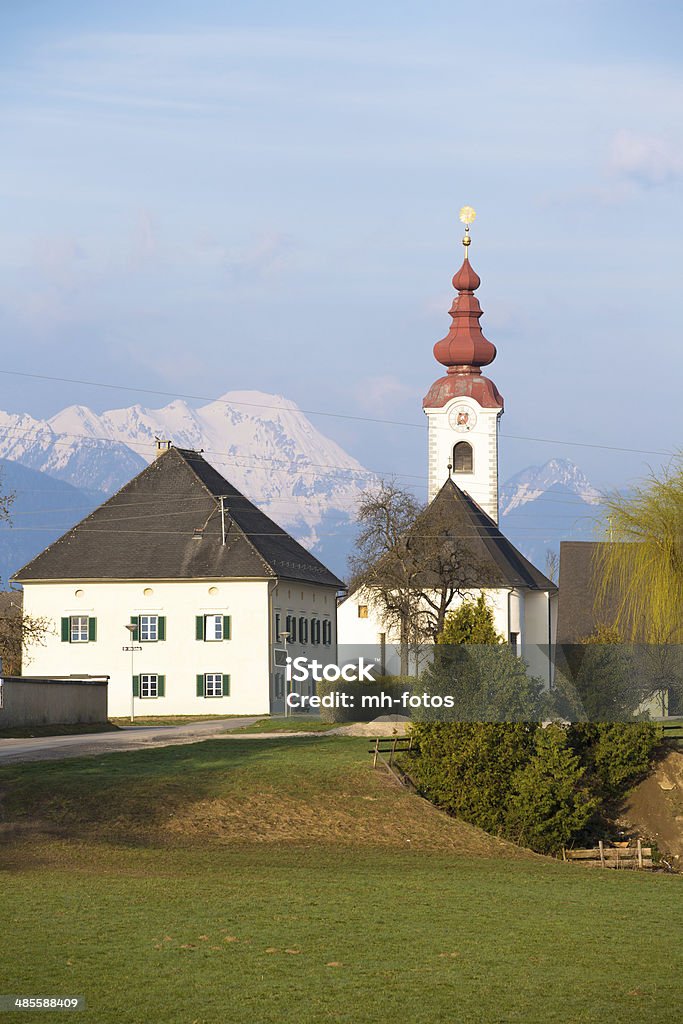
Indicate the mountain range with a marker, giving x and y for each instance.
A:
(63, 467)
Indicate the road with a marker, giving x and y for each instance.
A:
(133, 737)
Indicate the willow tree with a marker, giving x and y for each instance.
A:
(640, 573)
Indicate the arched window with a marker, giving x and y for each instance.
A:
(463, 458)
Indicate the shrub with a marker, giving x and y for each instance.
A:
(471, 623)
(617, 754)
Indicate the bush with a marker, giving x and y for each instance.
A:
(540, 787)
(472, 623)
(617, 754)
(550, 803)
(487, 682)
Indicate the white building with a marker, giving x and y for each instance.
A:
(183, 568)
(463, 409)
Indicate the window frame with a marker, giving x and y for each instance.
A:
(218, 620)
(216, 679)
(151, 678)
(463, 446)
(148, 639)
(79, 639)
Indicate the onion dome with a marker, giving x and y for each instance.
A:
(465, 350)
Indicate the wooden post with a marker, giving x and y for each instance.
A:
(374, 760)
(640, 855)
(602, 854)
(393, 751)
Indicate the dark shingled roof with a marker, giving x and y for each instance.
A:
(577, 613)
(166, 524)
(491, 555)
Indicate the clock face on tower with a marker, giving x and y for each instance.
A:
(462, 418)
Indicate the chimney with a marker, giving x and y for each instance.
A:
(162, 446)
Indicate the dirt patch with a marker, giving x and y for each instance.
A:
(654, 810)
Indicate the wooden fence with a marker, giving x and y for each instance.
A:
(635, 857)
(385, 750)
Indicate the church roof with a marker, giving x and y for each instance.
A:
(501, 563)
(166, 524)
(493, 562)
(464, 350)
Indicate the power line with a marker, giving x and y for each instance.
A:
(315, 412)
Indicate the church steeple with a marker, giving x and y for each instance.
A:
(464, 402)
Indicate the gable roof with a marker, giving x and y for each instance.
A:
(166, 524)
(494, 561)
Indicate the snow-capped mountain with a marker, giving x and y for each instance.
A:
(534, 481)
(544, 505)
(262, 443)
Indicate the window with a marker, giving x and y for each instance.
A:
(290, 626)
(362, 611)
(463, 458)
(149, 686)
(315, 631)
(514, 641)
(277, 626)
(149, 628)
(213, 684)
(303, 630)
(327, 632)
(79, 629)
(213, 627)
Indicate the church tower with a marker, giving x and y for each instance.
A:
(464, 407)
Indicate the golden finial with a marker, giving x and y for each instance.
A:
(467, 215)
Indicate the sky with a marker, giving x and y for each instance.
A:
(202, 197)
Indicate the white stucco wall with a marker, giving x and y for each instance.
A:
(180, 657)
(303, 600)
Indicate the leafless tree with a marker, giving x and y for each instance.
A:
(413, 562)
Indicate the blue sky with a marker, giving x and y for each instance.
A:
(209, 196)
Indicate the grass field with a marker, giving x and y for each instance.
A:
(285, 881)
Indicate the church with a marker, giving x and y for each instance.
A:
(463, 409)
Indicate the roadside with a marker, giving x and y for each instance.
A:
(131, 737)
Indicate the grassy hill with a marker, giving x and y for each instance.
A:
(285, 881)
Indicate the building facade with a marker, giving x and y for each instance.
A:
(179, 588)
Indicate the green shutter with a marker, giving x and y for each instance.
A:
(66, 630)
(136, 686)
(226, 627)
(135, 621)
(161, 686)
(199, 627)
(200, 686)
(226, 685)
(92, 629)
(161, 627)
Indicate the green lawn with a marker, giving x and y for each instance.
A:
(285, 881)
(158, 720)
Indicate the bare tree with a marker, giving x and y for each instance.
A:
(413, 562)
(552, 565)
(18, 632)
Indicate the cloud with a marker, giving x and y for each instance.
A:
(649, 160)
(382, 395)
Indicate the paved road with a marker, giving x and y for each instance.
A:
(133, 737)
